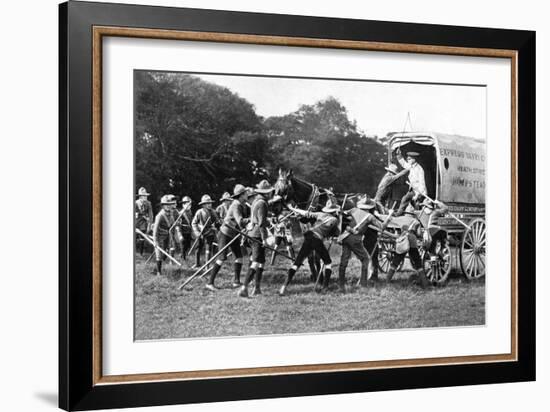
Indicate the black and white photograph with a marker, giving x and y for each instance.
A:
(270, 205)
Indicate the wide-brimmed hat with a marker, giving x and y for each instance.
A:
(239, 190)
(186, 199)
(225, 196)
(205, 199)
(330, 207)
(366, 204)
(392, 168)
(168, 200)
(142, 192)
(413, 154)
(264, 187)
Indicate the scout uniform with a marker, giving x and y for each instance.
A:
(233, 222)
(325, 226)
(258, 232)
(161, 229)
(203, 225)
(221, 210)
(282, 232)
(358, 220)
(416, 181)
(185, 224)
(143, 216)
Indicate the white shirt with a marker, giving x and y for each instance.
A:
(416, 176)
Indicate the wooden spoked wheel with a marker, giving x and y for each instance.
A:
(385, 256)
(472, 249)
(437, 264)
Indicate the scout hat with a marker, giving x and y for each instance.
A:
(167, 200)
(264, 187)
(413, 154)
(205, 199)
(142, 192)
(366, 204)
(392, 169)
(238, 190)
(225, 196)
(330, 207)
(186, 199)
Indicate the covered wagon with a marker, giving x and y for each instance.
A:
(454, 170)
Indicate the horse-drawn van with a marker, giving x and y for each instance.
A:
(454, 170)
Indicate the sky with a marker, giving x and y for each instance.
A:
(378, 107)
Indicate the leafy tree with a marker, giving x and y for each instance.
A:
(194, 137)
(322, 145)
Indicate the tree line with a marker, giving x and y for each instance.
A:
(194, 137)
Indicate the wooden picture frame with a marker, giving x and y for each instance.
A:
(82, 27)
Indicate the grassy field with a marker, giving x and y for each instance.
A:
(164, 312)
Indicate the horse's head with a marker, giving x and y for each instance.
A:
(283, 185)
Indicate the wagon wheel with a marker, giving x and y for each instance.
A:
(437, 265)
(385, 256)
(472, 250)
(386, 252)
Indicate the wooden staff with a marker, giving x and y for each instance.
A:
(218, 253)
(157, 247)
(199, 236)
(455, 217)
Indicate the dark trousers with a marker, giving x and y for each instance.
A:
(414, 256)
(353, 244)
(312, 243)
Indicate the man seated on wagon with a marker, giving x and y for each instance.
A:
(417, 182)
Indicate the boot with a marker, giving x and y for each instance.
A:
(390, 274)
(159, 267)
(257, 282)
(289, 276)
(216, 268)
(243, 293)
(237, 274)
(363, 281)
(197, 259)
(342, 279)
(326, 279)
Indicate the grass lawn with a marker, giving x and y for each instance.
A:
(164, 312)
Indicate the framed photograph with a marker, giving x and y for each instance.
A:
(256, 206)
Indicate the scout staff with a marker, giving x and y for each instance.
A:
(223, 207)
(358, 221)
(161, 229)
(384, 190)
(258, 234)
(203, 225)
(233, 222)
(325, 226)
(416, 180)
(143, 216)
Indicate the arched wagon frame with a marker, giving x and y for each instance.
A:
(454, 168)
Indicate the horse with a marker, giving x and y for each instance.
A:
(309, 196)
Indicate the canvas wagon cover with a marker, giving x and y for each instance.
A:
(461, 162)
